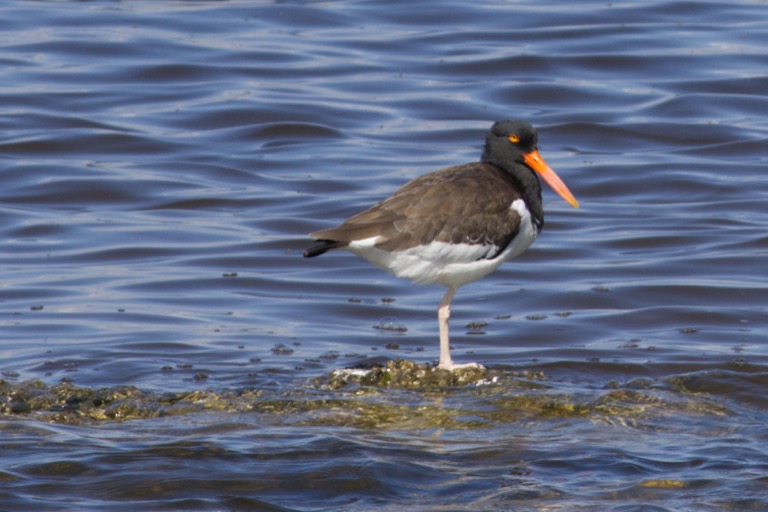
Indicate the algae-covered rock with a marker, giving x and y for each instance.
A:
(67, 403)
(403, 374)
(393, 394)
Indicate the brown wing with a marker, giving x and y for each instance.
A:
(462, 204)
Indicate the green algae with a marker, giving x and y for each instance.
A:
(70, 404)
(396, 395)
(403, 374)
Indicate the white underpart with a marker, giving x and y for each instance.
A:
(444, 263)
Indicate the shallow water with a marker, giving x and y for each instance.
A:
(164, 346)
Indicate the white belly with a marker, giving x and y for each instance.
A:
(445, 263)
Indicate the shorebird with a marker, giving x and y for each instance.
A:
(458, 224)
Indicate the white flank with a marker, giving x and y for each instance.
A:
(445, 263)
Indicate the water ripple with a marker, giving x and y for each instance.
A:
(163, 162)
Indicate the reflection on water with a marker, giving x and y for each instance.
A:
(165, 346)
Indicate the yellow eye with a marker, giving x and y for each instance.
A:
(514, 139)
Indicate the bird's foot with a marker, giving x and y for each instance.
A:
(451, 366)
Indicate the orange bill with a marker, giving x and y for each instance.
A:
(535, 162)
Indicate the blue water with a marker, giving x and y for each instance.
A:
(162, 163)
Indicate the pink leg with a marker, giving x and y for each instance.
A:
(443, 315)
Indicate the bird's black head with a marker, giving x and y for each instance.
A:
(509, 140)
(510, 143)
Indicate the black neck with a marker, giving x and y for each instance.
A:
(526, 182)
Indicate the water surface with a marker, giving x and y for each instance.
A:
(164, 346)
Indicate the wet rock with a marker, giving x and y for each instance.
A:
(282, 350)
(405, 374)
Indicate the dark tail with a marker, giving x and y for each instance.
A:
(322, 246)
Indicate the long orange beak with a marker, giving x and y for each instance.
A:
(535, 162)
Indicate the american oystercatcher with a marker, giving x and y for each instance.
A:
(458, 224)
